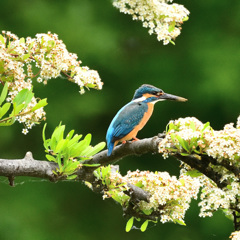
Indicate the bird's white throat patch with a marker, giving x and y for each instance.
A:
(157, 101)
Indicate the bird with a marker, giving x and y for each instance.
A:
(132, 117)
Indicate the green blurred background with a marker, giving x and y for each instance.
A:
(203, 66)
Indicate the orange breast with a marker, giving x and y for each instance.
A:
(142, 123)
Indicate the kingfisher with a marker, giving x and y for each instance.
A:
(132, 117)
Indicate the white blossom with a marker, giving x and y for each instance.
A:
(235, 235)
(50, 55)
(222, 145)
(162, 18)
(170, 197)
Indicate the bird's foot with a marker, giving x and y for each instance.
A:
(135, 139)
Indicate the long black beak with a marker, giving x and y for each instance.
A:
(172, 97)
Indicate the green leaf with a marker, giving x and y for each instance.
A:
(170, 126)
(96, 149)
(41, 103)
(2, 69)
(193, 142)
(25, 95)
(22, 40)
(71, 177)
(4, 93)
(76, 152)
(206, 125)
(60, 145)
(173, 136)
(59, 162)
(58, 133)
(97, 173)
(53, 143)
(74, 140)
(192, 126)
(71, 166)
(50, 158)
(184, 154)
(86, 151)
(70, 134)
(51, 43)
(171, 26)
(25, 56)
(2, 39)
(43, 136)
(4, 109)
(18, 108)
(147, 211)
(92, 165)
(30, 45)
(229, 216)
(185, 18)
(179, 222)
(88, 139)
(183, 143)
(144, 226)
(116, 198)
(7, 122)
(196, 151)
(129, 224)
(193, 173)
(139, 184)
(78, 148)
(91, 85)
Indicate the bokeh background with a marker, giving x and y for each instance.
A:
(203, 66)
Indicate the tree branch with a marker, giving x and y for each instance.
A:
(27, 166)
(44, 169)
(146, 145)
(30, 167)
(201, 163)
(137, 194)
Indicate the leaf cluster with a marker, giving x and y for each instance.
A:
(186, 147)
(69, 152)
(18, 105)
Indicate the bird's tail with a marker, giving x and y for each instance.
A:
(110, 148)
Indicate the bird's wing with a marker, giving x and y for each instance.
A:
(126, 119)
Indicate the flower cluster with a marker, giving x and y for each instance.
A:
(235, 235)
(170, 197)
(214, 198)
(47, 53)
(184, 130)
(159, 16)
(192, 136)
(238, 122)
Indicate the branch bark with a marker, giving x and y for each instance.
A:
(146, 145)
(27, 166)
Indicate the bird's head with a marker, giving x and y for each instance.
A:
(149, 93)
